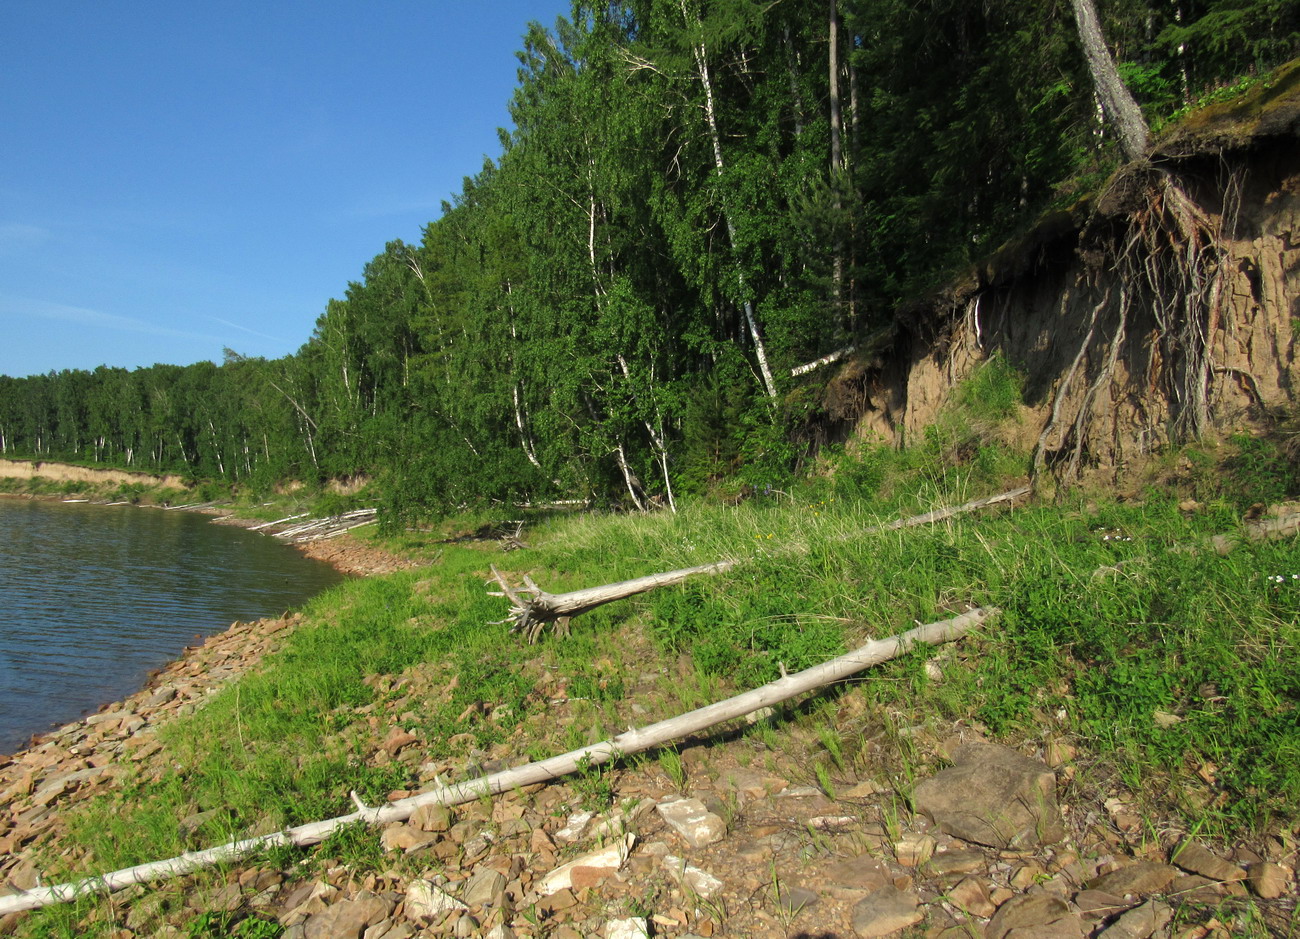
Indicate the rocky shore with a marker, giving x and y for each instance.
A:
(983, 840)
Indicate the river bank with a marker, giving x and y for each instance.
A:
(815, 818)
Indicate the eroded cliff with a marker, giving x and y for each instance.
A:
(1162, 309)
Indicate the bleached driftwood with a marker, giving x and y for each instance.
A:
(321, 528)
(634, 741)
(1265, 530)
(818, 363)
(938, 515)
(531, 607)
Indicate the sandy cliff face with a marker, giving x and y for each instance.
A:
(62, 472)
(1162, 309)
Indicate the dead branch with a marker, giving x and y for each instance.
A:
(815, 364)
(1267, 530)
(634, 741)
(938, 515)
(532, 607)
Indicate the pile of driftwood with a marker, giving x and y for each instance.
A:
(316, 529)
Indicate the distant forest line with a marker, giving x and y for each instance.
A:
(697, 198)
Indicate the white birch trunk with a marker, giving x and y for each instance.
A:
(751, 321)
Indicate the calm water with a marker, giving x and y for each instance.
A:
(92, 598)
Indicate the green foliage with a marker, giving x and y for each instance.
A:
(593, 785)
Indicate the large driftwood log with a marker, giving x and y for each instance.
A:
(1265, 530)
(938, 515)
(634, 741)
(531, 607)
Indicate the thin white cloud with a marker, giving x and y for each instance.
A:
(380, 209)
(251, 332)
(23, 308)
(15, 236)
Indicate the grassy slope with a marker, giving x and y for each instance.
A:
(1177, 672)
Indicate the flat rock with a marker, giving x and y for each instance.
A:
(993, 796)
(887, 910)
(1193, 856)
(1100, 905)
(575, 825)
(405, 838)
(1137, 879)
(594, 864)
(1027, 911)
(694, 878)
(971, 896)
(1140, 922)
(955, 862)
(860, 873)
(693, 821)
(485, 887)
(1269, 881)
(432, 818)
(634, 927)
(348, 919)
(426, 902)
(1067, 927)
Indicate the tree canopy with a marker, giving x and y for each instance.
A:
(696, 197)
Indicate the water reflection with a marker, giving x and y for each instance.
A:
(95, 597)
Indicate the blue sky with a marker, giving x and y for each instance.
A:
(176, 177)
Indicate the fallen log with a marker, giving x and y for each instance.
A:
(938, 515)
(626, 744)
(1265, 530)
(531, 607)
(530, 614)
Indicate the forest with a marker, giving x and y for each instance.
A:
(700, 206)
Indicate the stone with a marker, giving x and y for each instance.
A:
(862, 873)
(432, 818)
(1192, 856)
(427, 903)
(159, 697)
(1098, 904)
(956, 862)
(608, 859)
(695, 879)
(887, 910)
(914, 850)
(1140, 922)
(574, 827)
(348, 919)
(1027, 911)
(973, 897)
(634, 927)
(1269, 881)
(405, 838)
(1197, 889)
(1137, 879)
(690, 818)
(1067, 927)
(993, 796)
(485, 888)
(466, 927)
(791, 901)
